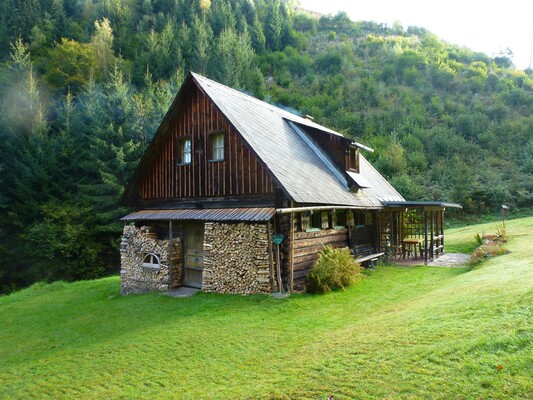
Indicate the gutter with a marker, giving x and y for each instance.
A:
(323, 208)
(362, 146)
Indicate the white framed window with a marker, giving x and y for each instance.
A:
(151, 260)
(184, 151)
(217, 146)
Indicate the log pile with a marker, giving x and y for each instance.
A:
(236, 258)
(136, 275)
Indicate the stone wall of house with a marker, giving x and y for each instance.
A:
(136, 275)
(236, 258)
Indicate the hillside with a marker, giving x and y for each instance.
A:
(84, 85)
(402, 332)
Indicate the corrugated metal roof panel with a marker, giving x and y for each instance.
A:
(209, 214)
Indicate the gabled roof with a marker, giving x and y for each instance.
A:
(297, 168)
(270, 133)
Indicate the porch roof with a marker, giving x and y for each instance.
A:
(208, 214)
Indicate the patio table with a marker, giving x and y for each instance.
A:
(410, 244)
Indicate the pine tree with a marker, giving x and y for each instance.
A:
(201, 40)
(233, 60)
(274, 26)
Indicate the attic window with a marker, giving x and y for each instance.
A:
(353, 159)
(216, 146)
(184, 151)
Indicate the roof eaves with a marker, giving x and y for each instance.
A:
(412, 203)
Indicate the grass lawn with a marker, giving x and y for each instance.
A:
(402, 332)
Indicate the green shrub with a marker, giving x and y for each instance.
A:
(335, 268)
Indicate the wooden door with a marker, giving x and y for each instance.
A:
(194, 254)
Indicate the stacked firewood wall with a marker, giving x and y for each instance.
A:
(236, 258)
(136, 247)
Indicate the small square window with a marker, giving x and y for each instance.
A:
(216, 146)
(184, 151)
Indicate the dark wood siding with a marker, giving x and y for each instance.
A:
(239, 174)
(306, 247)
(335, 146)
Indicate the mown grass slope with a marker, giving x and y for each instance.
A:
(417, 332)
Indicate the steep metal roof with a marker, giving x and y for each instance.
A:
(378, 186)
(297, 167)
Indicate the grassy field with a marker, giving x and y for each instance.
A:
(416, 332)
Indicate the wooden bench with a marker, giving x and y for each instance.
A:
(364, 253)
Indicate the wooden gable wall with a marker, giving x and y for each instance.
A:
(239, 174)
(336, 147)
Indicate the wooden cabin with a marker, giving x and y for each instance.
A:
(235, 195)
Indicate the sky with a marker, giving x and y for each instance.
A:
(488, 26)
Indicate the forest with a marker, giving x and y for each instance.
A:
(84, 85)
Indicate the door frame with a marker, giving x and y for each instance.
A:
(186, 229)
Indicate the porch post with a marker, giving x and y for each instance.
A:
(170, 253)
(270, 261)
(383, 246)
(432, 233)
(425, 237)
(291, 254)
(442, 229)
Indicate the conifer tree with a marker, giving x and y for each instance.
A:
(274, 26)
(201, 40)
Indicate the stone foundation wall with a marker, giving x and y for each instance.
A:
(236, 258)
(138, 278)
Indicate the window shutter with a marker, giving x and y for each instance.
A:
(325, 220)
(349, 218)
(305, 221)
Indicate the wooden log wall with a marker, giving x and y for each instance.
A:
(306, 247)
(239, 174)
